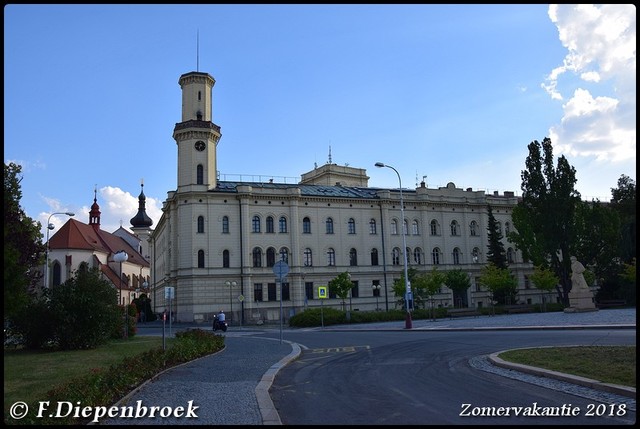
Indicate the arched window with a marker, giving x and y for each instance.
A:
(225, 259)
(352, 226)
(454, 228)
(306, 225)
(435, 256)
(331, 257)
(415, 230)
(473, 228)
(394, 227)
(200, 258)
(269, 225)
(271, 257)
(257, 257)
(225, 224)
(329, 225)
(307, 258)
(282, 224)
(372, 227)
(405, 227)
(510, 255)
(353, 257)
(57, 274)
(200, 224)
(374, 256)
(475, 254)
(284, 254)
(200, 174)
(255, 224)
(395, 256)
(434, 228)
(456, 256)
(418, 256)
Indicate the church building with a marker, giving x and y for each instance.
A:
(217, 241)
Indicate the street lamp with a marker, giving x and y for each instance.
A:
(408, 323)
(120, 257)
(230, 285)
(145, 288)
(50, 226)
(376, 293)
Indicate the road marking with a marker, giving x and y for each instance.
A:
(345, 349)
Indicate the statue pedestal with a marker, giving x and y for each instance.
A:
(580, 301)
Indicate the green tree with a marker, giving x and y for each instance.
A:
(459, 282)
(495, 249)
(433, 281)
(499, 281)
(545, 280)
(598, 241)
(85, 310)
(23, 247)
(623, 201)
(544, 228)
(415, 283)
(341, 285)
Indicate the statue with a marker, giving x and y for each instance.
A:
(580, 296)
(577, 277)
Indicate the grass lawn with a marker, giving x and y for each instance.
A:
(28, 375)
(609, 364)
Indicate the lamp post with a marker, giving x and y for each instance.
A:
(408, 323)
(120, 257)
(376, 293)
(145, 288)
(231, 285)
(50, 227)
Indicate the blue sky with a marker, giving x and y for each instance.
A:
(443, 93)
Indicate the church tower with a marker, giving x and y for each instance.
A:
(141, 225)
(197, 136)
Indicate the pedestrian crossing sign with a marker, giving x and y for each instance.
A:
(322, 292)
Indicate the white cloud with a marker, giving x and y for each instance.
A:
(601, 42)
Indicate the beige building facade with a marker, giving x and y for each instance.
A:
(217, 241)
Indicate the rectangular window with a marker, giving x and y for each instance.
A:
(271, 292)
(285, 291)
(308, 290)
(257, 291)
(355, 292)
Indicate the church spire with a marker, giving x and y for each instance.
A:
(94, 214)
(141, 219)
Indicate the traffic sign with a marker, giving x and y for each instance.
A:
(322, 292)
(281, 269)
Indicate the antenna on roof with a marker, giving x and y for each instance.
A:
(198, 50)
(329, 154)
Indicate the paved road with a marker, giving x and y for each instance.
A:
(231, 387)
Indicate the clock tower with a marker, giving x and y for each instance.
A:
(196, 136)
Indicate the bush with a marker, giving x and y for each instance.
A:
(33, 326)
(106, 386)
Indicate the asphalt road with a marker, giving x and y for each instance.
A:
(427, 378)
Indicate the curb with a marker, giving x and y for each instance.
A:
(629, 392)
(268, 411)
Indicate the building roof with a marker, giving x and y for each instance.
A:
(80, 236)
(307, 190)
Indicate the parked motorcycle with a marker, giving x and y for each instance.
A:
(218, 325)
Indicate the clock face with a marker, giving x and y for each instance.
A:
(200, 145)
